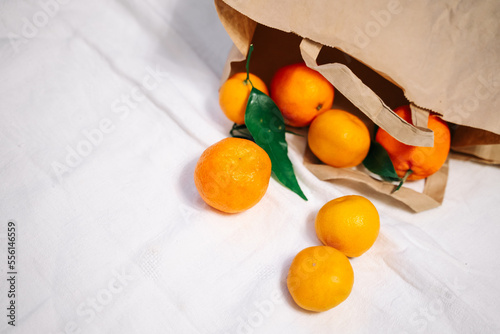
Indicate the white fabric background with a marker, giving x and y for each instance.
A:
(105, 107)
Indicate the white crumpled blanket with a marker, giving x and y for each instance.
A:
(105, 107)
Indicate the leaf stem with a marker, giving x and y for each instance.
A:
(294, 133)
(403, 180)
(240, 131)
(250, 50)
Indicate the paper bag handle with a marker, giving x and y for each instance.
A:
(347, 83)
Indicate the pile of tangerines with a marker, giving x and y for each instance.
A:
(233, 174)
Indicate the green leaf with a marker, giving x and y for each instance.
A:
(265, 122)
(377, 161)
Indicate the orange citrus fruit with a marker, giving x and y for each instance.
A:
(349, 224)
(233, 174)
(320, 278)
(301, 93)
(234, 93)
(421, 161)
(339, 138)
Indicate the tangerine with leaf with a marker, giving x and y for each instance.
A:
(417, 162)
(234, 93)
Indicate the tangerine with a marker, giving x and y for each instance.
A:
(233, 174)
(320, 278)
(349, 223)
(301, 94)
(339, 138)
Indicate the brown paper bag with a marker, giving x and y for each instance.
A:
(441, 62)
